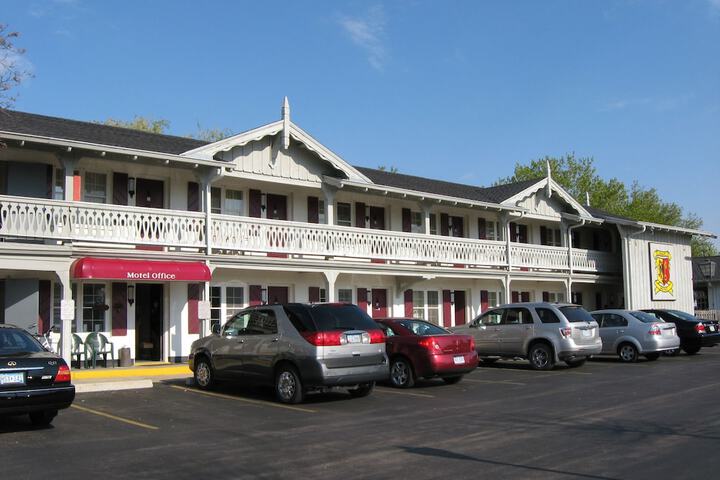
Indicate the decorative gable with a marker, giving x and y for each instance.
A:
(547, 198)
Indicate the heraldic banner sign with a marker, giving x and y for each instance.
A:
(662, 272)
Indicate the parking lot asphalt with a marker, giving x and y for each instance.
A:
(605, 420)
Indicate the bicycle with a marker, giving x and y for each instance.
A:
(44, 338)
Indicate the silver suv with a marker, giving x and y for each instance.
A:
(544, 333)
(296, 347)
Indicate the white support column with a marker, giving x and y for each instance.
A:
(69, 164)
(329, 194)
(331, 277)
(67, 322)
(506, 285)
(426, 210)
(206, 205)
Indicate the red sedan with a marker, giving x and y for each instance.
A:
(418, 349)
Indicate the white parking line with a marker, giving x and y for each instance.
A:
(403, 392)
(241, 399)
(501, 382)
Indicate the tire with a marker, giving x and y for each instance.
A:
(488, 361)
(204, 374)
(691, 349)
(652, 356)
(576, 362)
(362, 390)
(44, 418)
(401, 373)
(628, 353)
(288, 386)
(452, 380)
(541, 357)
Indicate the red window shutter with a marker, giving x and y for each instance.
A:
(515, 297)
(313, 209)
(482, 228)
(409, 303)
(77, 186)
(525, 296)
(459, 307)
(360, 214)
(255, 295)
(362, 299)
(193, 197)
(406, 220)
(120, 188)
(546, 296)
(44, 306)
(119, 308)
(255, 202)
(446, 307)
(444, 224)
(49, 181)
(314, 294)
(543, 236)
(193, 299)
(484, 300)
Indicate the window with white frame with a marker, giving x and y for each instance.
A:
(93, 309)
(321, 211)
(417, 224)
(556, 297)
(418, 304)
(322, 296)
(495, 299)
(215, 305)
(59, 187)
(95, 188)
(433, 307)
(215, 200)
(234, 301)
(493, 231)
(433, 224)
(553, 237)
(344, 214)
(345, 295)
(233, 202)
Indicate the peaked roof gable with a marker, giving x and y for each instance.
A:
(554, 188)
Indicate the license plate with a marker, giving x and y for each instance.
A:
(587, 333)
(17, 378)
(354, 338)
(459, 360)
(712, 328)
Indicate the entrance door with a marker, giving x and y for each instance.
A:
(379, 303)
(277, 295)
(460, 307)
(149, 193)
(276, 207)
(148, 321)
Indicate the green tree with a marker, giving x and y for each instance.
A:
(211, 134)
(140, 123)
(392, 169)
(578, 176)
(12, 68)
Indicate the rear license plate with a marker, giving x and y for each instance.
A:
(356, 338)
(587, 333)
(712, 328)
(17, 378)
(459, 360)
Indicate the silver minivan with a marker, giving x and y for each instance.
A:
(298, 348)
(629, 334)
(544, 333)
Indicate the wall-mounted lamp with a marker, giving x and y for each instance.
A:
(452, 297)
(131, 186)
(262, 207)
(264, 296)
(377, 304)
(131, 294)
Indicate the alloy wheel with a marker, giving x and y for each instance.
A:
(628, 353)
(286, 385)
(202, 374)
(540, 358)
(400, 373)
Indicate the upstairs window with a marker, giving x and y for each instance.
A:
(417, 222)
(344, 214)
(233, 202)
(433, 224)
(95, 188)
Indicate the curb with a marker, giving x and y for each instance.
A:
(111, 386)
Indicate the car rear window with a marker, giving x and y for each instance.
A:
(422, 328)
(576, 314)
(645, 317)
(16, 342)
(683, 316)
(327, 317)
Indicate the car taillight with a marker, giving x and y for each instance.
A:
(430, 343)
(699, 328)
(655, 330)
(325, 339)
(63, 374)
(472, 343)
(376, 336)
(566, 332)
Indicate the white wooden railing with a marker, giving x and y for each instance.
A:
(89, 222)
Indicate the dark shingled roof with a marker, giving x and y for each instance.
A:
(495, 194)
(597, 213)
(62, 128)
(44, 126)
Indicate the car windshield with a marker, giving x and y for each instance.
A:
(576, 314)
(645, 317)
(341, 317)
(17, 342)
(419, 327)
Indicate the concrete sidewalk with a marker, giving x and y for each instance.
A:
(142, 376)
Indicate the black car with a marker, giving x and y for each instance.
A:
(694, 332)
(32, 380)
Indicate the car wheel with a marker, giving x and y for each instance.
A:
(628, 353)
(489, 361)
(541, 357)
(362, 390)
(452, 380)
(288, 386)
(401, 373)
(691, 349)
(44, 418)
(652, 356)
(576, 362)
(204, 374)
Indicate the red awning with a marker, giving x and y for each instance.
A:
(139, 270)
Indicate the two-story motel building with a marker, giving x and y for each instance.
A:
(148, 234)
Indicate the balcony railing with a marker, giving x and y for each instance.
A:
(90, 222)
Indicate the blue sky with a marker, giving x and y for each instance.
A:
(458, 90)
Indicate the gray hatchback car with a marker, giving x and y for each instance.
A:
(629, 334)
(298, 348)
(544, 333)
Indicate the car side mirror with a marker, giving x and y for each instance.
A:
(215, 329)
